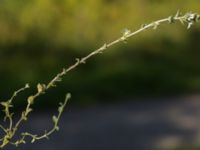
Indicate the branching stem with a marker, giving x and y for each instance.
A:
(189, 19)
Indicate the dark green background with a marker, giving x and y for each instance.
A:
(38, 38)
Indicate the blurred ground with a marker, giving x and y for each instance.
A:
(166, 124)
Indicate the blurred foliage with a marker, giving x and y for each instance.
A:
(39, 37)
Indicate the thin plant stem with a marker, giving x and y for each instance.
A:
(188, 19)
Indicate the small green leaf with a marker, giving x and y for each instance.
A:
(41, 88)
(57, 128)
(33, 140)
(54, 119)
(68, 96)
(31, 99)
(60, 109)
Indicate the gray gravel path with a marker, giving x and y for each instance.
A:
(133, 125)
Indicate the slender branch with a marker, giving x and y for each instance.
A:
(46, 135)
(189, 19)
(8, 115)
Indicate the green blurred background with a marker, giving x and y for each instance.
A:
(39, 37)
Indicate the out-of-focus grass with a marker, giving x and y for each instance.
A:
(38, 38)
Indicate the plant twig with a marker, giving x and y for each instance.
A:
(189, 19)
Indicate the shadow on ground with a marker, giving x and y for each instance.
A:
(168, 124)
